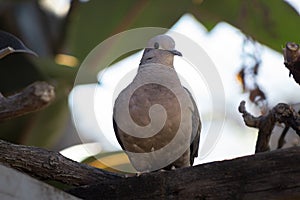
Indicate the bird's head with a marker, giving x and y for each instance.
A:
(160, 49)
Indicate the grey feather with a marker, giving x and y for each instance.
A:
(162, 53)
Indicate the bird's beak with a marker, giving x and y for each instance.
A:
(175, 52)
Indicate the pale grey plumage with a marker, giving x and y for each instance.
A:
(182, 124)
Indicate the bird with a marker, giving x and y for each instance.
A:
(11, 44)
(155, 119)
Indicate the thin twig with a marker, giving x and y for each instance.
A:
(281, 113)
(281, 140)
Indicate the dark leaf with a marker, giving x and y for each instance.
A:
(11, 44)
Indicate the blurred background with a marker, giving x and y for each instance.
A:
(244, 39)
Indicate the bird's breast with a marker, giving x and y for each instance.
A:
(140, 104)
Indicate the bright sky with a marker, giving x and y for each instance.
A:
(295, 4)
(223, 45)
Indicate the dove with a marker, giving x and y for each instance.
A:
(155, 119)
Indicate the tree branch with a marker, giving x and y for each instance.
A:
(49, 165)
(34, 97)
(281, 140)
(291, 54)
(281, 113)
(270, 175)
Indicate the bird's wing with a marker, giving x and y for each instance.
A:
(196, 129)
(117, 133)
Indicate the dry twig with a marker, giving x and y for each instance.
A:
(281, 113)
(291, 54)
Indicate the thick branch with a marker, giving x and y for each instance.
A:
(49, 165)
(34, 97)
(281, 113)
(271, 175)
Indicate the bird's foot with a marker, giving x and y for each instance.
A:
(129, 175)
(141, 173)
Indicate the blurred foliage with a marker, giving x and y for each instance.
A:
(269, 23)
(272, 23)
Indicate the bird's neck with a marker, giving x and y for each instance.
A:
(157, 71)
(168, 61)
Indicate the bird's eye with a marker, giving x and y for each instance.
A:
(149, 58)
(156, 45)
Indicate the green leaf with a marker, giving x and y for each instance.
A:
(270, 22)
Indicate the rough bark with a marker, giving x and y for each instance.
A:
(49, 165)
(270, 175)
(34, 97)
